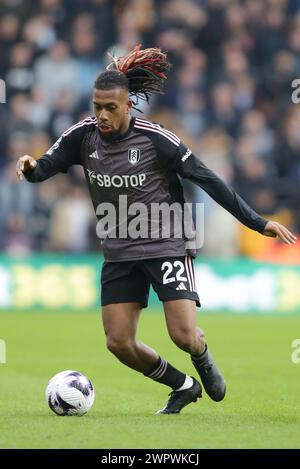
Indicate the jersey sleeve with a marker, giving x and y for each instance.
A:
(64, 153)
(174, 155)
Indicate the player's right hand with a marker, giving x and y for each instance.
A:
(23, 164)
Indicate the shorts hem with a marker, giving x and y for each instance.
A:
(183, 297)
(124, 300)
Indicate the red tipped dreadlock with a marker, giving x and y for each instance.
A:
(145, 70)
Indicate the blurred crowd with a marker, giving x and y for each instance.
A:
(229, 97)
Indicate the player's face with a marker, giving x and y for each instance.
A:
(112, 109)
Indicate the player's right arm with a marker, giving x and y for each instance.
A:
(24, 164)
(64, 153)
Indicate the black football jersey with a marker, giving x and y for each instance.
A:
(143, 166)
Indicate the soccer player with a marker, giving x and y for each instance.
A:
(126, 156)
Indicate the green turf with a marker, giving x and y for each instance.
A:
(261, 409)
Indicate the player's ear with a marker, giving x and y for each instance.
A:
(129, 105)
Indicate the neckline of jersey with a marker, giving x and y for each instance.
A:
(125, 134)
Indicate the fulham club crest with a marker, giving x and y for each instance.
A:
(134, 155)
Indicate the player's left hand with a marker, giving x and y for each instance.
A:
(274, 229)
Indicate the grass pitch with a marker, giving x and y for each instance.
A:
(261, 409)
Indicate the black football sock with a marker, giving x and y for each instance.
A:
(164, 373)
(211, 377)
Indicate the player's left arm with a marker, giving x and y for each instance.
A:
(274, 229)
(225, 196)
(185, 163)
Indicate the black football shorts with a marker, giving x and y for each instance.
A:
(172, 278)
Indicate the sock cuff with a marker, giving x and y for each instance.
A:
(155, 367)
(159, 370)
(164, 373)
(199, 357)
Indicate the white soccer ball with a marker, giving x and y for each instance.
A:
(70, 393)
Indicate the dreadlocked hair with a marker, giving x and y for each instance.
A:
(144, 69)
(111, 79)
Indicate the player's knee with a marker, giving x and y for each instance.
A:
(200, 333)
(184, 339)
(118, 346)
